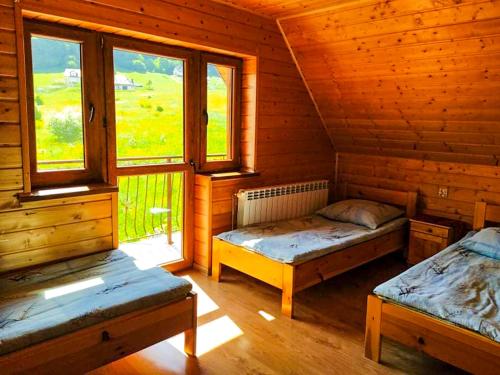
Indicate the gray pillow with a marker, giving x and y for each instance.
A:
(362, 212)
(485, 242)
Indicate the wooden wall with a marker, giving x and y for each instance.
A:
(466, 183)
(288, 144)
(37, 231)
(416, 79)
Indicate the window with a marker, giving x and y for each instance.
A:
(221, 89)
(149, 108)
(99, 104)
(63, 107)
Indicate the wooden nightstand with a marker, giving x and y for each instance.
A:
(429, 235)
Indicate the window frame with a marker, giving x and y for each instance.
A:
(234, 160)
(99, 135)
(110, 42)
(92, 88)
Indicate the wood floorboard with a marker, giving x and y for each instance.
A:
(326, 338)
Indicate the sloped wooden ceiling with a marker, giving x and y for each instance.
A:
(282, 8)
(410, 78)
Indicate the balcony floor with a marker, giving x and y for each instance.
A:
(154, 250)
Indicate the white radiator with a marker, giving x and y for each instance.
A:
(281, 202)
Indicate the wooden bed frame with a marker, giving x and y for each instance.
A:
(436, 337)
(97, 345)
(292, 278)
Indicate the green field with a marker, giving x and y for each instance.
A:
(149, 122)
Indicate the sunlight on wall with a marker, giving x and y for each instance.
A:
(205, 303)
(72, 288)
(210, 335)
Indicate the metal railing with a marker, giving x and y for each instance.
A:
(150, 204)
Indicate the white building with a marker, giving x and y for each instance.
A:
(72, 76)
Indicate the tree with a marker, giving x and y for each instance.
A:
(139, 66)
(66, 128)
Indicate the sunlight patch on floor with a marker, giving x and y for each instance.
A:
(210, 335)
(205, 303)
(266, 315)
(153, 251)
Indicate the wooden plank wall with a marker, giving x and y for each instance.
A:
(290, 143)
(38, 231)
(466, 183)
(416, 79)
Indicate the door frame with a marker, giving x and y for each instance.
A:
(191, 114)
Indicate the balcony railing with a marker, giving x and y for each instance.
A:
(150, 204)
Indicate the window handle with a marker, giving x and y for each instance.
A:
(91, 113)
(205, 117)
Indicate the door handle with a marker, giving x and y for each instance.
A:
(91, 113)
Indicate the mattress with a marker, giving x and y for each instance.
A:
(54, 300)
(456, 285)
(298, 240)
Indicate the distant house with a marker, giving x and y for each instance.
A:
(123, 83)
(178, 70)
(72, 77)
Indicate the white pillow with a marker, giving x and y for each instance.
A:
(485, 242)
(363, 212)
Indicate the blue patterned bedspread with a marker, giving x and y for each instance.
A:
(50, 301)
(456, 285)
(298, 240)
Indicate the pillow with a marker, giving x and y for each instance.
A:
(359, 211)
(485, 242)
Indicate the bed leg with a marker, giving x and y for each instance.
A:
(373, 337)
(216, 265)
(190, 334)
(287, 306)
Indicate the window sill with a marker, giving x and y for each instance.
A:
(217, 176)
(66, 192)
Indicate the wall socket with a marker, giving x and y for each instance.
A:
(443, 192)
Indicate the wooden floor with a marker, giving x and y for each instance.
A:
(241, 331)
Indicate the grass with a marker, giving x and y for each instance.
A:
(149, 122)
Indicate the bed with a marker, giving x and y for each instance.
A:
(303, 265)
(446, 306)
(89, 311)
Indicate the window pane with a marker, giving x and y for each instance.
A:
(57, 86)
(149, 104)
(219, 91)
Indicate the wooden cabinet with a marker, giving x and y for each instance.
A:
(213, 210)
(429, 235)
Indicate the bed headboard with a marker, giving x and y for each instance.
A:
(406, 199)
(484, 212)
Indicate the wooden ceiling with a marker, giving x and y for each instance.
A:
(282, 8)
(411, 78)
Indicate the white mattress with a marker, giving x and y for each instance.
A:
(298, 240)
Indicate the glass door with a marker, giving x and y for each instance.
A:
(150, 153)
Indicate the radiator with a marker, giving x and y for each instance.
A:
(280, 202)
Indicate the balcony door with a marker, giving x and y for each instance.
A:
(150, 120)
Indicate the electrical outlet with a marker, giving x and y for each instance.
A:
(443, 192)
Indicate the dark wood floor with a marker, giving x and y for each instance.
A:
(241, 331)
